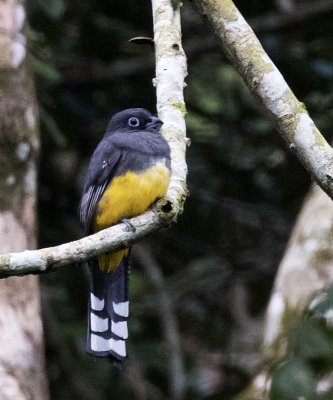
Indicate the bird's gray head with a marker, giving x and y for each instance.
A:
(135, 119)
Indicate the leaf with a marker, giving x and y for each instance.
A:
(45, 70)
(321, 306)
(142, 40)
(52, 8)
(52, 127)
(312, 339)
(292, 380)
(175, 4)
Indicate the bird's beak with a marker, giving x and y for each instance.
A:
(154, 125)
(156, 120)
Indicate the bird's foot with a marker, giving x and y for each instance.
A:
(129, 226)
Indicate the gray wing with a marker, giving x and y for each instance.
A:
(115, 155)
(102, 169)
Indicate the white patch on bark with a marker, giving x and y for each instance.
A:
(18, 53)
(274, 84)
(319, 299)
(30, 117)
(19, 261)
(11, 179)
(22, 151)
(273, 87)
(318, 152)
(329, 317)
(239, 24)
(274, 312)
(304, 129)
(20, 17)
(30, 179)
(260, 382)
(325, 384)
(19, 43)
(9, 386)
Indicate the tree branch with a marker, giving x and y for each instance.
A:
(285, 6)
(171, 70)
(169, 322)
(305, 271)
(52, 258)
(169, 82)
(265, 81)
(290, 13)
(77, 70)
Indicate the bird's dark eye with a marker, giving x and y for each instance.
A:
(134, 121)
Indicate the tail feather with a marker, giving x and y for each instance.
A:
(108, 310)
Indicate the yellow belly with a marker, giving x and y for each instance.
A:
(127, 196)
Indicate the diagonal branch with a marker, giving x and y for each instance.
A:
(77, 70)
(265, 81)
(285, 5)
(52, 258)
(290, 14)
(169, 82)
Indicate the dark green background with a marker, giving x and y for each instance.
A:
(246, 190)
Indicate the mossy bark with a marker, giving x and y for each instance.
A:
(171, 70)
(264, 80)
(307, 266)
(22, 366)
(305, 271)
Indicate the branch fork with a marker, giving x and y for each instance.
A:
(170, 74)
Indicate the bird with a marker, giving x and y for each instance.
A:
(128, 172)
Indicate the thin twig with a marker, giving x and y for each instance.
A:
(78, 71)
(168, 319)
(285, 6)
(297, 13)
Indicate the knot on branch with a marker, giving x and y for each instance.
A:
(165, 209)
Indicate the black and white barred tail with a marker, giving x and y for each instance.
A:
(108, 310)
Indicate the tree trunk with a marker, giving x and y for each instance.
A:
(22, 369)
(305, 271)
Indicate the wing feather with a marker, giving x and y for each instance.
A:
(102, 169)
(117, 154)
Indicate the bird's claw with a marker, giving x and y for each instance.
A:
(129, 226)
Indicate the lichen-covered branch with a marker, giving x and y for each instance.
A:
(169, 82)
(52, 258)
(266, 82)
(171, 70)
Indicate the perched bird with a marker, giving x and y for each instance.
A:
(129, 170)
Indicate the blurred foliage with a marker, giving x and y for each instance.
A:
(219, 261)
(308, 369)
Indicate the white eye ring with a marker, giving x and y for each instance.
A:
(134, 122)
